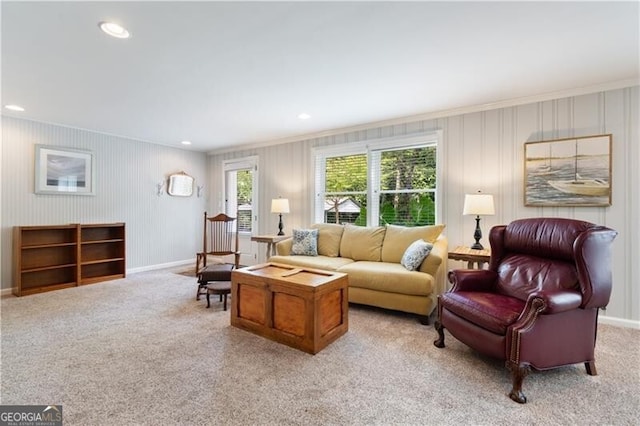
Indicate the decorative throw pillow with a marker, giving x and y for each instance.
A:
(305, 242)
(415, 254)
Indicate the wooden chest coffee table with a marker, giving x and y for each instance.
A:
(300, 307)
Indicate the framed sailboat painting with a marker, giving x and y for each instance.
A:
(568, 172)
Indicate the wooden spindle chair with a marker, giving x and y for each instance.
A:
(219, 239)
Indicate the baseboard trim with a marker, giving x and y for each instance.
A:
(160, 266)
(619, 322)
(7, 291)
(602, 319)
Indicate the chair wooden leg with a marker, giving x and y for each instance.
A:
(439, 342)
(591, 368)
(208, 300)
(518, 373)
(199, 291)
(225, 301)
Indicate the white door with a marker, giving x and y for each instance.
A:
(241, 199)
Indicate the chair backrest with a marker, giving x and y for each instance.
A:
(547, 254)
(219, 235)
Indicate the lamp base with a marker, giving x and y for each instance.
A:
(477, 235)
(280, 227)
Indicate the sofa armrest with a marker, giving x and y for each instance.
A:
(283, 248)
(439, 253)
(472, 280)
(434, 263)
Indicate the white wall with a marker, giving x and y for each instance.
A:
(481, 150)
(484, 150)
(159, 230)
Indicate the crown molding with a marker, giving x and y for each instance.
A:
(578, 91)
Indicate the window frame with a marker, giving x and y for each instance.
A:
(368, 147)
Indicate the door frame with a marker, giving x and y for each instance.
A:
(248, 249)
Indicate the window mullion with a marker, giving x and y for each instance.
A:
(373, 185)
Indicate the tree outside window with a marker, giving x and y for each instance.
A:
(244, 190)
(346, 189)
(407, 186)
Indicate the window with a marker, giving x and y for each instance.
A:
(390, 182)
(244, 188)
(345, 195)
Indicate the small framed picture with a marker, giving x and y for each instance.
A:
(568, 172)
(64, 171)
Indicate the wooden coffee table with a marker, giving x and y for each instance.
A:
(301, 307)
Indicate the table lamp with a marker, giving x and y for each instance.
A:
(478, 204)
(280, 206)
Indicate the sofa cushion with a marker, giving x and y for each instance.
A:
(398, 238)
(329, 237)
(388, 277)
(305, 242)
(318, 262)
(415, 254)
(362, 243)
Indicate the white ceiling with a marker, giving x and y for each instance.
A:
(231, 73)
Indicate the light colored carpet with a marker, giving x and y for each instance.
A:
(142, 350)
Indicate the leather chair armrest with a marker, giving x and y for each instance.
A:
(557, 301)
(547, 303)
(472, 280)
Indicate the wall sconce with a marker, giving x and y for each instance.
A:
(200, 189)
(478, 204)
(160, 188)
(280, 206)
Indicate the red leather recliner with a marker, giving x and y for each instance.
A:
(537, 304)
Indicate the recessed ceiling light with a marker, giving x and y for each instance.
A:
(114, 29)
(14, 108)
(304, 116)
(186, 142)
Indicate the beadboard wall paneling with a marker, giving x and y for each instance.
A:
(160, 229)
(485, 151)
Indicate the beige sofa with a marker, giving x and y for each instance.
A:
(371, 257)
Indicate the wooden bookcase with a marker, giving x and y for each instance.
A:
(49, 258)
(45, 258)
(101, 252)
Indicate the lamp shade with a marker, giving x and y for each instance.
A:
(280, 205)
(478, 204)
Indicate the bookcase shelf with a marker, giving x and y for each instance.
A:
(49, 258)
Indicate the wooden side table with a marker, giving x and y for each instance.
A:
(271, 241)
(471, 256)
